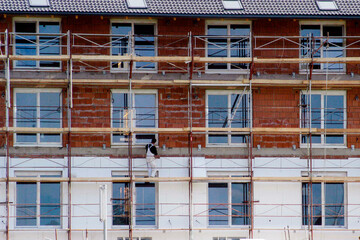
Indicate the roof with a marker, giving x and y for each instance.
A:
(259, 8)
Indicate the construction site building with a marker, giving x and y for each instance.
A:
(255, 105)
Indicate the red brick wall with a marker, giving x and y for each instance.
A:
(353, 115)
(90, 25)
(353, 29)
(91, 109)
(173, 113)
(276, 108)
(276, 27)
(177, 44)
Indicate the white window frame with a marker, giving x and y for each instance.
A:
(35, 175)
(133, 92)
(228, 93)
(229, 182)
(329, 174)
(227, 23)
(37, 21)
(37, 91)
(153, 22)
(133, 209)
(322, 24)
(324, 93)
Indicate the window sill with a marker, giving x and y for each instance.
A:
(323, 71)
(211, 145)
(323, 146)
(39, 145)
(224, 71)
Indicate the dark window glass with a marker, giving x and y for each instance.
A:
(333, 204)
(50, 204)
(218, 204)
(26, 204)
(145, 210)
(121, 204)
(120, 41)
(240, 203)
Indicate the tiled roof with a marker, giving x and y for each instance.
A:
(186, 7)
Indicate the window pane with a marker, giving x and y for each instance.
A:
(217, 46)
(240, 46)
(308, 43)
(218, 204)
(26, 204)
(334, 204)
(50, 111)
(316, 197)
(25, 44)
(144, 138)
(144, 44)
(218, 139)
(50, 204)
(49, 45)
(218, 110)
(145, 106)
(50, 138)
(26, 110)
(239, 111)
(121, 207)
(239, 200)
(120, 115)
(334, 112)
(25, 138)
(120, 42)
(335, 47)
(119, 109)
(145, 204)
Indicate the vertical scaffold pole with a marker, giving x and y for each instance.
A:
(7, 142)
(191, 71)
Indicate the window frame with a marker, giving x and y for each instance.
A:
(133, 209)
(229, 190)
(329, 23)
(36, 21)
(229, 134)
(37, 174)
(323, 200)
(153, 22)
(37, 91)
(227, 23)
(136, 91)
(324, 93)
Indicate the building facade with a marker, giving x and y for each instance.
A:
(254, 104)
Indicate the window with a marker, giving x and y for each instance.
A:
(327, 204)
(144, 202)
(326, 5)
(228, 204)
(228, 109)
(134, 238)
(232, 4)
(228, 40)
(312, 38)
(228, 238)
(39, 3)
(136, 3)
(327, 111)
(37, 108)
(31, 39)
(38, 203)
(144, 44)
(144, 114)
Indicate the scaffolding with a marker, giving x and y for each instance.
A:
(190, 58)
